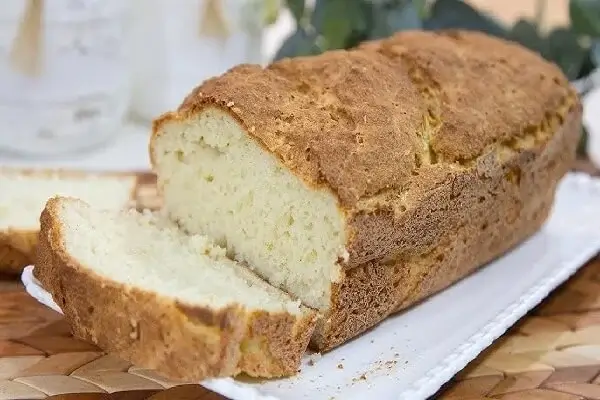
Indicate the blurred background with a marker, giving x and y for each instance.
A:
(81, 80)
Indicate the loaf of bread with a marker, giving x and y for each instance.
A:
(138, 287)
(24, 193)
(363, 181)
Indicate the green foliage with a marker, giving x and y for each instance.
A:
(564, 49)
(335, 31)
(337, 24)
(585, 17)
(303, 42)
(297, 8)
(450, 14)
(385, 19)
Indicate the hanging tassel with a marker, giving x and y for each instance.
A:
(212, 20)
(26, 52)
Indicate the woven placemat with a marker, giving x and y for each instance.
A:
(39, 359)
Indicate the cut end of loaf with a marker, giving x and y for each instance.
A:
(217, 180)
(136, 285)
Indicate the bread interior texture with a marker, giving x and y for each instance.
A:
(218, 181)
(22, 197)
(144, 251)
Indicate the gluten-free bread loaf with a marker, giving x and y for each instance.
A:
(138, 287)
(362, 181)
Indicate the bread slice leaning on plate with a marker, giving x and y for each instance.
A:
(138, 287)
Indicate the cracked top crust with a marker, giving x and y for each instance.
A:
(364, 122)
(481, 90)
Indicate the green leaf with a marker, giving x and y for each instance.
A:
(422, 7)
(526, 33)
(336, 20)
(585, 16)
(297, 8)
(582, 146)
(566, 52)
(457, 14)
(271, 11)
(595, 53)
(386, 21)
(357, 38)
(299, 43)
(587, 67)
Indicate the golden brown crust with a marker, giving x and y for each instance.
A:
(17, 245)
(443, 149)
(274, 345)
(486, 98)
(17, 249)
(289, 106)
(181, 341)
(485, 91)
(465, 222)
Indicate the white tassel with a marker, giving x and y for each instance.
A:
(591, 119)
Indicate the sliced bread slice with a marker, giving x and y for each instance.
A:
(137, 286)
(25, 192)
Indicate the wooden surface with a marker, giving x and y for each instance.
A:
(553, 354)
(39, 359)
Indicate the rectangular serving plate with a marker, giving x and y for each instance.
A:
(412, 354)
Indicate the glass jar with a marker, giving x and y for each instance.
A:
(178, 44)
(79, 95)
